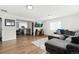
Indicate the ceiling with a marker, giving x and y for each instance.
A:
(41, 12)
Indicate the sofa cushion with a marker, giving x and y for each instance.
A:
(68, 39)
(77, 33)
(56, 46)
(57, 36)
(58, 43)
(60, 31)
(75, 40)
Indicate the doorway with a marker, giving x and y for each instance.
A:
(32, 28)
(0, 29)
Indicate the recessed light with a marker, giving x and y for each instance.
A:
(29, 6)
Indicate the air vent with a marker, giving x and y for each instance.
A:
(3, 10)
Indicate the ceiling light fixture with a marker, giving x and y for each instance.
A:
(29, 6)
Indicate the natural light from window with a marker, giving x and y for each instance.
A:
(23, 24)
(55, 25)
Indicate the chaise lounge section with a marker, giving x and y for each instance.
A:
(56, 46)
(70, 45)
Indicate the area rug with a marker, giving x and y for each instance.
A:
(40, 43)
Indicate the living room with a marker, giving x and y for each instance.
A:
(39, 29)
(45, 29)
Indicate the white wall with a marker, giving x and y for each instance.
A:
(8, 32)
(68, 22)
(23, 24)
(30, 25)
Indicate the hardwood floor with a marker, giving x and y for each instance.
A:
(22, 45)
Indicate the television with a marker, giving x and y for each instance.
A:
(9, 22)
(38, 24)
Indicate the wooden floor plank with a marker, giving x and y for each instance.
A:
(22, 45)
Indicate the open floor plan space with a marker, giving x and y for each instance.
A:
(22, 45)
(39, 29)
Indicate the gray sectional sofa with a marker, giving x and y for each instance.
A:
(63, 43)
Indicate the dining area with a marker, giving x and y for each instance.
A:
(23, 31)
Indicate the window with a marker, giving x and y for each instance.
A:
(55, 25)
(22, 24)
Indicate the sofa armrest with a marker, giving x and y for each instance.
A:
(73, 48)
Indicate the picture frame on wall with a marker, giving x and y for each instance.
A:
(9, 22)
